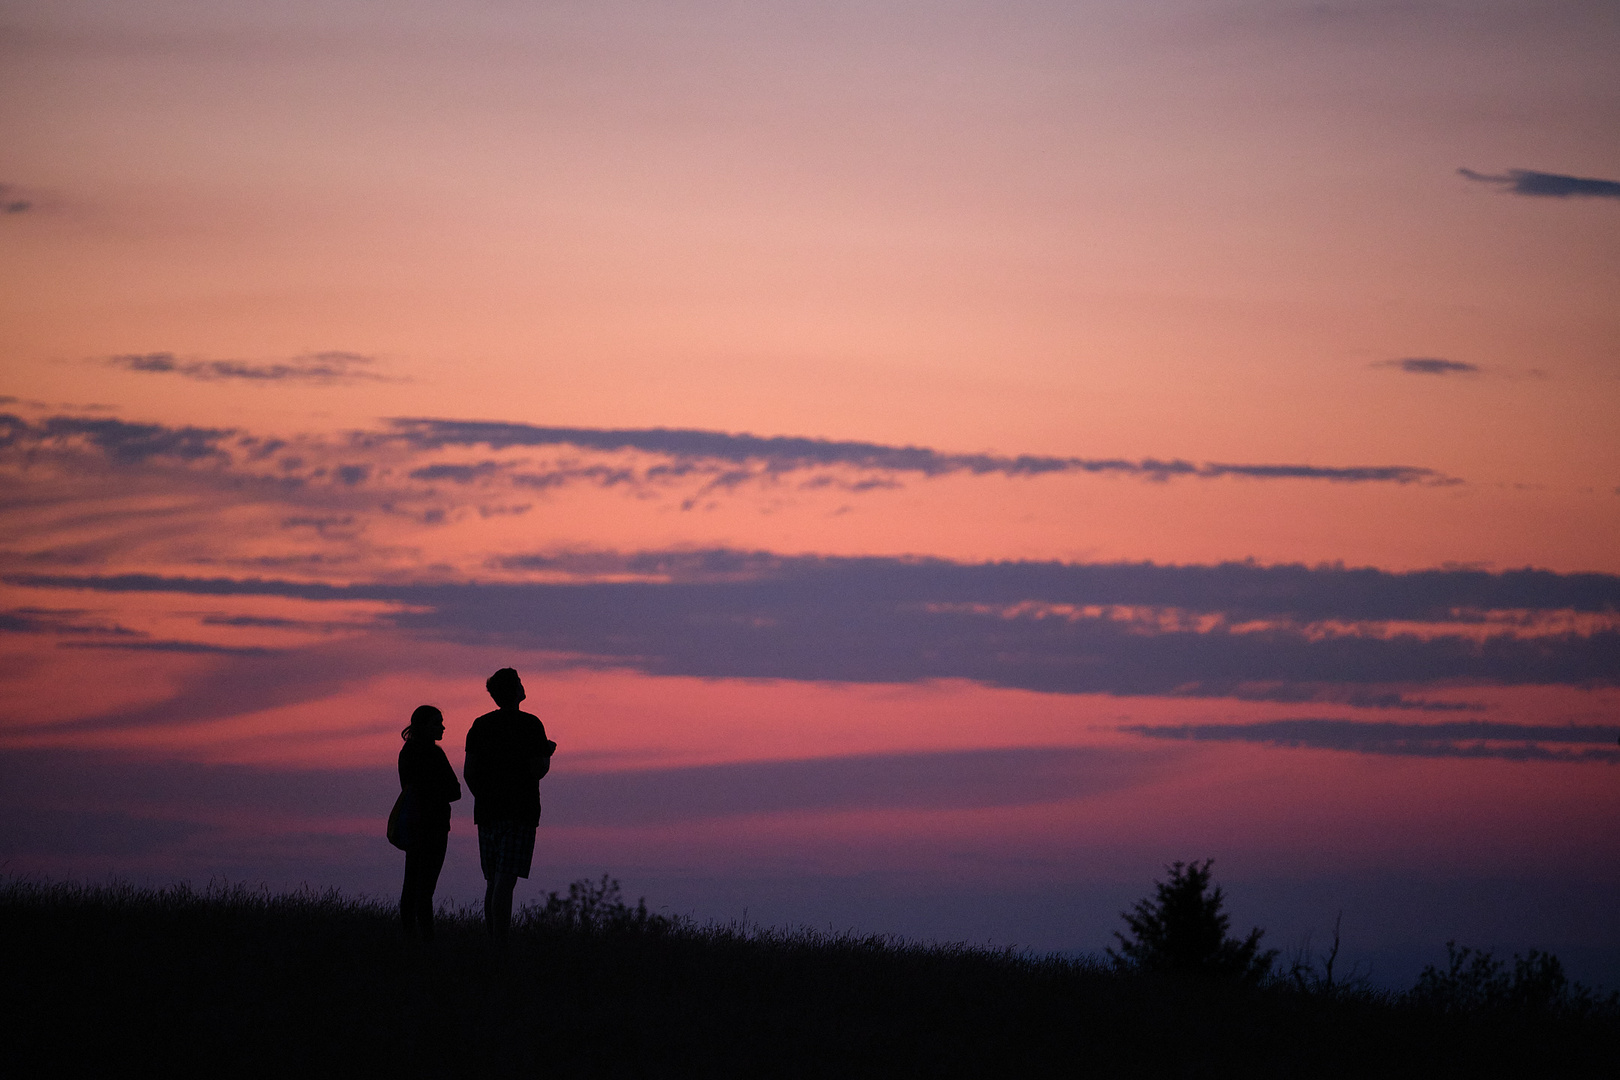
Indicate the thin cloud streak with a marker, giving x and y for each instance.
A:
(1548, 185)
(322, 367)
(781, 454)
(198, 647)
(1430, 365)
(1457, 739)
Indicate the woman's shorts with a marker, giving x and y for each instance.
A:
(505, 847)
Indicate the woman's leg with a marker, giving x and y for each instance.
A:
(407, 896)
(432, 862)
(423, 862)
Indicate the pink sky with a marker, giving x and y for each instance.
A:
(779, 376)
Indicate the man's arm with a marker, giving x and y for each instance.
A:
(540, 765)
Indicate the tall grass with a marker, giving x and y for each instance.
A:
(232, 980)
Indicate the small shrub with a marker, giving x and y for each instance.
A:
(593, 906)
(1182, 930)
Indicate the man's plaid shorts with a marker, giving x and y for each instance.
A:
(505, 847)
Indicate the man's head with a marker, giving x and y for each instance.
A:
(505, 687)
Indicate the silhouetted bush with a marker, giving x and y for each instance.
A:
(1182, 931)
(593, 907)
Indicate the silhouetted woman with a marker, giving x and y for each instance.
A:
(430, 786)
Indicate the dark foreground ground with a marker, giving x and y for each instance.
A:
(234, 983)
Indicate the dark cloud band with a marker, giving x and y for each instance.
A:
(1236, 590)
(1121, 629)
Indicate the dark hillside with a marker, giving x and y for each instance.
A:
(236, 983)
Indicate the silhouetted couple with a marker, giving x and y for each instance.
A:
(507, 754)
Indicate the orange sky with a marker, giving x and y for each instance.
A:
(1196, 232)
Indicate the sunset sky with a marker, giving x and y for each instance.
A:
(934, 464)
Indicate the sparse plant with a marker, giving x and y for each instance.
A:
(1474, 981)
(1304, 974)
(1182, 930)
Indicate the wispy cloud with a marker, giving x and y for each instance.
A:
(97, 786)
(62, 780)
(1458, 739)
(248, 677)
(948, 780)
(322, 367)
(1548, 185)
(778, 454)
(59, 621)
(119, 440)
(88, 490)
(12, 201)
(1430, 365)
(458, 474)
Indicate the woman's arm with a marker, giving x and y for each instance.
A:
(449, 786)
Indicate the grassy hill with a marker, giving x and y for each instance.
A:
(238, 983)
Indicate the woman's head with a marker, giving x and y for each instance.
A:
(427, 723)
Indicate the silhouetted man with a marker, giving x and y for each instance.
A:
(507, 754)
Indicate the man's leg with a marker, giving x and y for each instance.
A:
(498, 904)
(488, 842)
